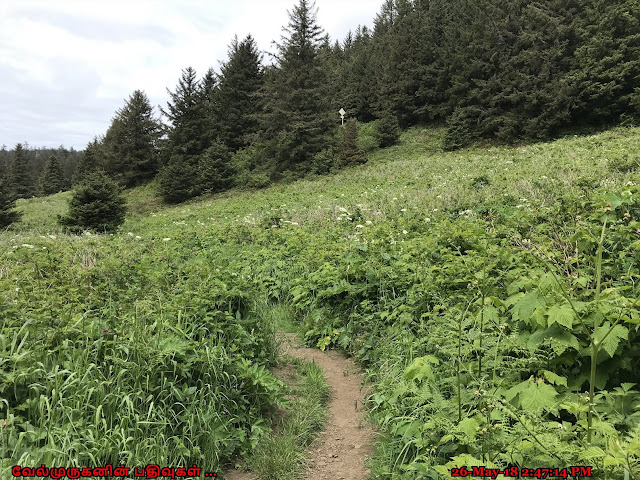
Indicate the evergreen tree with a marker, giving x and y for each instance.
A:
(209, 103)
(398, 44)
(90, 161)
(52, 179)
(387, 130)
(349, 153)
(298, 116)
(241, 79)
(96, 205)
(214, 169)
(8, 214)
(20, 179)
(608, 73)
(356, 83)
(188, 138)
(514, 82)
(131, 142)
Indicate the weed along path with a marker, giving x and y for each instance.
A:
(341, 450)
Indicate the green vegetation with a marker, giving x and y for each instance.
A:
(52, 180)
(8, 214)
(96, 204)
(281, 454)
(491, 294)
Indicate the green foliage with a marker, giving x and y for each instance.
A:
(498, 325)
(215, 170)
(90, 161)
(387, 131)
(96, 205)
(52, 180)
(8, 214)
(19, 178)
(177, 180)
(349, 153)
(296, 118)
(189, 112)
(130, 146)
(237, 100)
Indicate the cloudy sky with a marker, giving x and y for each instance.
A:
(66, 66)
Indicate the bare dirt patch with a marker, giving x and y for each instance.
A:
(341, 450)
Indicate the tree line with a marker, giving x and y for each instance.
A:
(485, 69)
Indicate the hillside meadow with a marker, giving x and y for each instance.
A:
(490, 293)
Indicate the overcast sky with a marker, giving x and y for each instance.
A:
(66, 66)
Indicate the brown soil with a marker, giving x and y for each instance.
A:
(342, 448)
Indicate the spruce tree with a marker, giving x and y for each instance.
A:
(608, 61)
(188, 138)
(52, 179)
(8, 214)
(298, 115)
(241, 79)
(356, 77)
(214, 169)
(90, 161)
(349, 153)
(20, 181)
(398, 44)
(96, 205)
(210, 110)
(131, 142)
(387, 130)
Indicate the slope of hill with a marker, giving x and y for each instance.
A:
(491, 293)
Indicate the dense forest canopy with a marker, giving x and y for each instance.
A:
(488, 70)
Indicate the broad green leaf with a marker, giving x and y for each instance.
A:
(562, 340)
(538, 397)
(612, 340)
(561, 314)
(515, 390)
(555, 379)
(421, 368)
(526, 305)
(534, 395)
(469, 426)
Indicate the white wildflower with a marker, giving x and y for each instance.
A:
(359, 226)
(403, 209)
(368, 222)
(166, 239)
(130, 234)
(405, 232)
(26, 245)
(138, 237)
(294, 223)
(427, 219)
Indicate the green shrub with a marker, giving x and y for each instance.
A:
(387, 131)
(8, 214)
(96, 205)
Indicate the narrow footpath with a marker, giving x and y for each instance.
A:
(341, 450)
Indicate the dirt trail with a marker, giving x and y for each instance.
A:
(341, 449)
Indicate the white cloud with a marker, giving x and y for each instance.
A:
(66, 66)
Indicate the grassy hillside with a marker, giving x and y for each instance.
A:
(478, 287)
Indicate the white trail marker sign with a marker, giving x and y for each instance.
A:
(342, 112)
